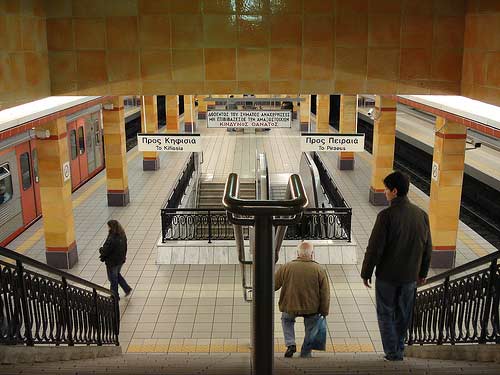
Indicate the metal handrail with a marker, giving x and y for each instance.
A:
(239, 206)
(40, 309)
(463, 268)
(45, 267)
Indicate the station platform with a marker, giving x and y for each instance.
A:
(199, 308)
(482, 163)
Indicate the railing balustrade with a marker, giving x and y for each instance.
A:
(184, 224)
(57, 309)
(461, 310)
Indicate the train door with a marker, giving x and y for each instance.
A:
(89, 136)
(82, 154)
(73, 154)
(28, 203)
(99, 150)
(36, 177)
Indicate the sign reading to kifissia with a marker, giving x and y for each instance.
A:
(169, 142)
(332, 142)
(249, 119)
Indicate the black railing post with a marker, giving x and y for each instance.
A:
(412, 318)
(263, 298)
(96, 318)
(487, 305)
(24, 303)
(116, 326)
(163, 226)
(209, 227)
(67, 312)
(442, 314)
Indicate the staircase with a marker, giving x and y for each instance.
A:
(210, 193)
(238, 363)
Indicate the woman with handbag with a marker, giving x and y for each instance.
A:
(114, 253)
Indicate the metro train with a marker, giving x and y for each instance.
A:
(20, 203)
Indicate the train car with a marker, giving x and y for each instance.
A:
(20, 203)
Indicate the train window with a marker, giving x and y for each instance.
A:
(74, 150)
(25, 170)
(34, 157)
(81, 140)
(5, 184)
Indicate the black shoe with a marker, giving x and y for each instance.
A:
(289, 352)
(388, 358)
(128, 293)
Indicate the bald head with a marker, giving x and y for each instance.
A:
(305, 250)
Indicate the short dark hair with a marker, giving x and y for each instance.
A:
(398, 180)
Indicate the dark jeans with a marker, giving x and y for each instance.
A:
(116, 278)
(394, 309)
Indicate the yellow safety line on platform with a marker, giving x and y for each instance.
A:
(35, 237)
(462, 236)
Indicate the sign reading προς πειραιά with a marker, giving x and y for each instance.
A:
(332, 142)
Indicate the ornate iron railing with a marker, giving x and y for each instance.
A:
(461, 310)
(175, 196)
(184, 224)
(57, 309)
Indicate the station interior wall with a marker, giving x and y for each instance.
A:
(116, 47)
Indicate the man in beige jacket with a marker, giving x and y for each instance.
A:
(305, 292)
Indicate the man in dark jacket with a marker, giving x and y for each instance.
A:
(400, 248)
(305, 291)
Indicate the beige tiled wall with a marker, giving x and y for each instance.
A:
(261, 46)
(24, 73)
(481, 59)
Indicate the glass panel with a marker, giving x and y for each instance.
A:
(5, 184)
(74, 151)
(24, 159)
(81, 140)
(34, 156)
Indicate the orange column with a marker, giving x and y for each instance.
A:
(384, 138)
(172, 104)
(305, 113)
(189, 114)
(55, 194)
(446, 190)
(348, 125)
(116, 152)
(149, 124)
(202, 107)
(323, 113)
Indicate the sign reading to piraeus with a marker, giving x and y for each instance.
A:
(169, 142)
(332, 142)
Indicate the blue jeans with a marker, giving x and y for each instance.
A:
(115, 278)
(394, 309)
(288, 324)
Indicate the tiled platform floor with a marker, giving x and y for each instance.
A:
(200, 308)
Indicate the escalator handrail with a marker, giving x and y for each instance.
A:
(289, 207)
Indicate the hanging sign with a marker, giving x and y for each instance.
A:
(332, 142)
(169, 142)
(249, 119)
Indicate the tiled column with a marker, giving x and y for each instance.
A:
(116, 153)
(446, 190)
(323, 114)
(149, 124)
(348, 125)
(55, 194)
(305, 113)
(189, 123)
(384, 137)
(172, 103)
(202, 107)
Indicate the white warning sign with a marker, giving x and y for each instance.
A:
(169, 142)
(249, 119)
